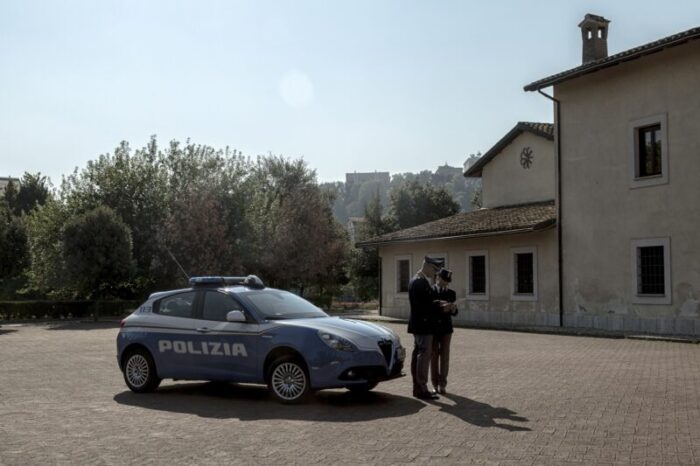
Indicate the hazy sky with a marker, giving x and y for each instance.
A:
(349, 86)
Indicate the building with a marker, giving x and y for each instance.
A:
(592, 222)
(630, 200)
(503, 257)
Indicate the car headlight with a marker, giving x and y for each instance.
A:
(335, 342)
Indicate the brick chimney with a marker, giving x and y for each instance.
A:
(594, 32)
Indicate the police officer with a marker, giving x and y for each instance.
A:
(440, 354)
(424, 311)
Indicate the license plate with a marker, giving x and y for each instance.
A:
(401, 353)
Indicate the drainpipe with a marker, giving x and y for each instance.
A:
(557, 105)
(379, 268)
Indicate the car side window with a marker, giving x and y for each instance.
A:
(217, 305)
(179, 305)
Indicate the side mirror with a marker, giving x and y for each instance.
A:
(235, 316)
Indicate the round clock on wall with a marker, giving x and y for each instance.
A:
(526, 157)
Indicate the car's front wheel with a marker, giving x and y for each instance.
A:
(140, 372)
(288, 380)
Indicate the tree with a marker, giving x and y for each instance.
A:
(14, 253)
(297, 243)
(196, 235)
(414, 204)
(132, 185)
(98, 253)
(33, 191)
(46, 272)
(364, 266)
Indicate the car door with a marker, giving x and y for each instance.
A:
(171, 333)
(228, 350)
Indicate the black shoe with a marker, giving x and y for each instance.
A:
(441, 390)
(426, 396)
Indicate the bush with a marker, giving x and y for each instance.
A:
(27, 310)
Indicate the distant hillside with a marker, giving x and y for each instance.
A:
(358, 188)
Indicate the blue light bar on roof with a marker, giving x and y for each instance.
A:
(251, 281)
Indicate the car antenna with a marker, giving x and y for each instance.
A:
(187, 277)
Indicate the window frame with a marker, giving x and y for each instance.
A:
(195, 304)
(397, 276)
(514, 295)
(635, 126)
(477, 296)
(667, 297)
(228, 295)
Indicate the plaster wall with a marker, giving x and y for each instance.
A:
(602, 210)
(506, 182)
(499, 307)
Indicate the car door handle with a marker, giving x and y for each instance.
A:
(203, 329)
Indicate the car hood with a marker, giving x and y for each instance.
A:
(363, 334)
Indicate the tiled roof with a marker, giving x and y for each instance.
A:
(483, 222)
(546, 130)
(627, 55)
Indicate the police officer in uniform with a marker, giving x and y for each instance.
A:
(440, 354)
(424, 312)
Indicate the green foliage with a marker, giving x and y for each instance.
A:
(33, 191)
(14, 253)
(46, 272)
(296, 241)
(97, 253)
(364, 265)
(27, 310)
(414, 204)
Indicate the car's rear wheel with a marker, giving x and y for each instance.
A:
(288, 380)
(362, 387)
(140, 371)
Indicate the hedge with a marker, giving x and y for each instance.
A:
(27, 310)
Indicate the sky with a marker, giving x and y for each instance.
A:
(397, 86)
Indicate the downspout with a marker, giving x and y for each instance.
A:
(557, 105)
(379, 268)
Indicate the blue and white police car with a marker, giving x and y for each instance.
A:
(235, 329)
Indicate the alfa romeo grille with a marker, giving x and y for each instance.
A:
(386, 347)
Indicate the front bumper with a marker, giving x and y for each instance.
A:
(356, 367)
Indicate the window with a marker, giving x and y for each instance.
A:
(649, 151)
(477, 275)
(524, 274)
(649, 154)
(217, 305)
(179, 305)
(403, 273)
(651, 262)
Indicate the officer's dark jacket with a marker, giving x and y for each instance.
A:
(422, 296)
(443, 323)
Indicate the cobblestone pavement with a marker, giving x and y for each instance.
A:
(514, 398)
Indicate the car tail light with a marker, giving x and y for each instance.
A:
(121, 323)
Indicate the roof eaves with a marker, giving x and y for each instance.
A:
(479, 234)
(476, 169)
(627, 55)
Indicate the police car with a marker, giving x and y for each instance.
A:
(235, 329)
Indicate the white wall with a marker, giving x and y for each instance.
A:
(602, 211)
(506, 182)
(499, 308)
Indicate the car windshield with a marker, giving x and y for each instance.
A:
(278, 305)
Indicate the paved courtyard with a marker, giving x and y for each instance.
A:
(514, 398)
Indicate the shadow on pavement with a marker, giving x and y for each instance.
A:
(252, 403)
(3, 331)
(480, 414)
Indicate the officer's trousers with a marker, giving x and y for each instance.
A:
(420, 362)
